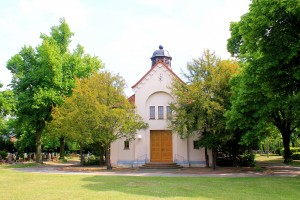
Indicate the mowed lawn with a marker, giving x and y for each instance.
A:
(20, 185)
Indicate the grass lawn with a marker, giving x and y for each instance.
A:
(19, 185)
(274, 159)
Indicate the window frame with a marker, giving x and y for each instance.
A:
(126, 145)
(169, 112)
(151, 112)
(160, 112)
(195, 145)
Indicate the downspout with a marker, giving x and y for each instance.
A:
(134, 158)
(188, 152)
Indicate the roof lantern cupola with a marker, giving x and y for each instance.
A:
(161, 55)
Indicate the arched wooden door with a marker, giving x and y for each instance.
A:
(161, 146)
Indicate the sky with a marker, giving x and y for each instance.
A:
(123, 34)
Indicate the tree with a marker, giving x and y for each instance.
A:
(119, 117)
(202, 102)
(267, 42)
(42, 76)
(77, 118)
(98, 111)
(7, 107)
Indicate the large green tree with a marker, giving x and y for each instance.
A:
(203, 100)
(97, 111)
(42, 76)
(7, 107)
(77, 118)
(119, 118)
(266, 40)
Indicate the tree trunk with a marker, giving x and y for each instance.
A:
(81, 154)
(286, 136)
(62, 141)
(206, 158)
(38, 134)
(101, 159)
(107, 157)
(214, 159)
(283, 124)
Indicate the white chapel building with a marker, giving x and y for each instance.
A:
(152, 97)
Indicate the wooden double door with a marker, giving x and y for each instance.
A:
(161, 146)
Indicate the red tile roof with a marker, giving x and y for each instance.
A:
(131, 99)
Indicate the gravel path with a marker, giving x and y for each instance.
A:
(272, 169)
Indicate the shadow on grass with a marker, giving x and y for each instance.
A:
(149, 187)
(190, 187)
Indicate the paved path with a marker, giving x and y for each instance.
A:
(73, 168)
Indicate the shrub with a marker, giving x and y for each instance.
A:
(92, 160)
(296, 156)
(3, 154)
(247, 160)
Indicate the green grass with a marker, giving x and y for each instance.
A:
(295, 163)
(274, 159)
(20, 165)
(20, 185)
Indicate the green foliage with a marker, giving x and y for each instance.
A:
(25, 134)
(296, 156)
(97, 111)
(92, 160)
(293, 150)
(6, 144)
(267, 42)
(3, 154)
(42, 76)
(247, 160)
(7, 108)
(201, 103)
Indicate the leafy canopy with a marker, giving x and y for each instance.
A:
(267, 42)
(43, 75)
(202, 102)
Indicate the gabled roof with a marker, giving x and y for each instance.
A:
(152, 68)
(131, 99)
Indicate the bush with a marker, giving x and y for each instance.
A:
(296, 156)
(247, 160)
(3, 154)
(92, 160)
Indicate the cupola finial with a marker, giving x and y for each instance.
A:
(161, 55)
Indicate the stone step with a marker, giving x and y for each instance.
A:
(160, 165)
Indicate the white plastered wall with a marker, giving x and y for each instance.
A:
(154, 90)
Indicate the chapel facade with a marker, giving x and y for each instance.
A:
(158, 143)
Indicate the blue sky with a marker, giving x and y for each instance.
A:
(123, 34)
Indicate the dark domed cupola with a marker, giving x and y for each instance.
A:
(161, 55)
